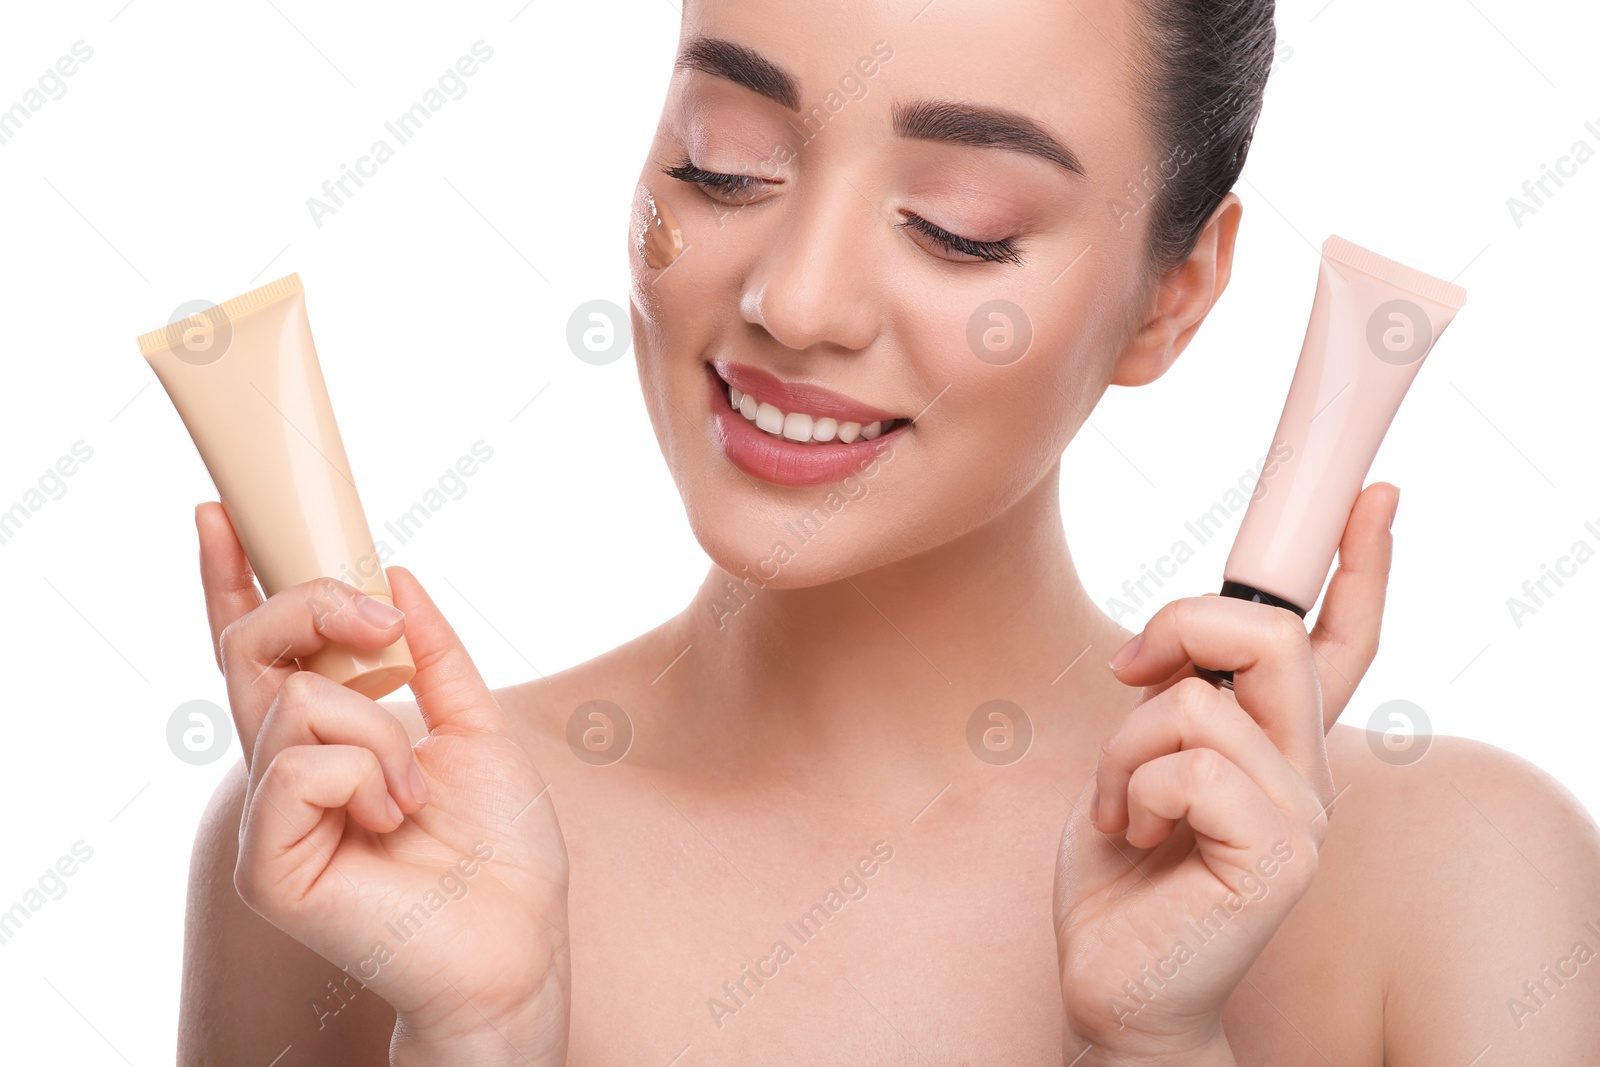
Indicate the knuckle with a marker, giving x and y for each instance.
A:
(1207, 768)
(397, 730)
(298, 690)
(285, 773)
(1139, 782)
(1175, 613)
(228, 641)
(1288, 632)
(326, 597)
(1193, 697)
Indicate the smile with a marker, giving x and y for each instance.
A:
(798, 426)
(794, 433)
(802, 414)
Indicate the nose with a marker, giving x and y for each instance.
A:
(813, 283)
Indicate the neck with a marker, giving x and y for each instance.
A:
(903, 650)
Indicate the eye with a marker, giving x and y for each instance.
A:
(728, 188)
(991, 251)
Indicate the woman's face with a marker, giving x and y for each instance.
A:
(819, 276)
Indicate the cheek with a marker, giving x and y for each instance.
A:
(655, 241)
(663, 283)
(1015, 345)
(1072, 322)
(684, 264)
(1019, 365)
(659, 238)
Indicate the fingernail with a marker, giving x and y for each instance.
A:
(1094, 807)
(1126, 654)
(377, 612)
(419, 788)
(394, 810)
(1395, 509)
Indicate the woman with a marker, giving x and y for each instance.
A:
(791, 824)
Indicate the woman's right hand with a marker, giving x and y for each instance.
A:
(448, 900)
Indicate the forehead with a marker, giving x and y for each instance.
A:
(1069, 64)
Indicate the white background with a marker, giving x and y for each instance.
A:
(177, 166)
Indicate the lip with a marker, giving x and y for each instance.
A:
(787, 463)
(799, 396)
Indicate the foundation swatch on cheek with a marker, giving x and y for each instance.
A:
(661, 239)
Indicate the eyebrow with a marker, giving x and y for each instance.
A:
(947, 121)
(982, 127)
(743, 66)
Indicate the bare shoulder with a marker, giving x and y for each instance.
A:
(1453, 808)
(1480, 876)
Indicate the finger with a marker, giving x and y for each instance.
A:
(1275, 676)
(1191, 715)
(225, 573)
(1345, 637)
(1203, 786)
(259, 649)
(1150, 692)
(447, 685)
(312, 710)
(1186, 671)
(1221, 803)
(287, 837)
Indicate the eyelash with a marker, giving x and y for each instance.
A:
(727, 184)
(1004, 251)
(993, 251)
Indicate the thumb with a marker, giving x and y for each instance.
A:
(447, 685)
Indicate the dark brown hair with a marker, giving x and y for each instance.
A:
(1202, 73)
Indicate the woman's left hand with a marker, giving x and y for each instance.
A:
(1201, 828)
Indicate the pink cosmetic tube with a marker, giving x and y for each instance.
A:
(244, 376)
(1373, 322)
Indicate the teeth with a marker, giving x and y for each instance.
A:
(769, 418)
(797, 426)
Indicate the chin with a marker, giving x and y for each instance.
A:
(801, 538)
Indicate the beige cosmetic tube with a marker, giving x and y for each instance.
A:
(244, 377)
(1373, 322)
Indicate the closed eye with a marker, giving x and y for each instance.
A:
(993, 251)
(743, 188)
(730, 188)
